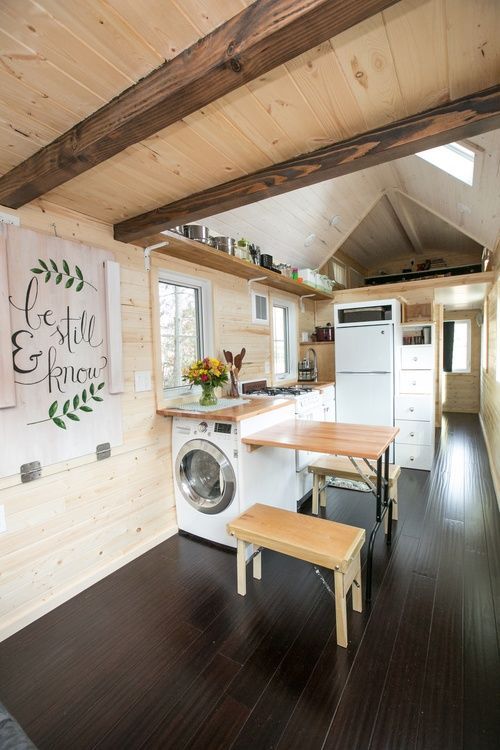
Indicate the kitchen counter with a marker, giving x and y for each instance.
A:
(318, 385)
(232, 413)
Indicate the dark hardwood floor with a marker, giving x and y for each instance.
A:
(165, 654)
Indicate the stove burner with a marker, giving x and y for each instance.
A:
(292, 390)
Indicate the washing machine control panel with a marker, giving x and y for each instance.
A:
(202, 427)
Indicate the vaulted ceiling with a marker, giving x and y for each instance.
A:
(62, 61)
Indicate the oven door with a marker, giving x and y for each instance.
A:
(304, 458)
(205, 476)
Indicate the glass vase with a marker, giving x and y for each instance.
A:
(208, 397)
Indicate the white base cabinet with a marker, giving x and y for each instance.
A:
(414, 405)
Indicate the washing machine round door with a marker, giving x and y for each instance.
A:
(205, 476)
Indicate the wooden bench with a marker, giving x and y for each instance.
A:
(339, 466)
(332, 545)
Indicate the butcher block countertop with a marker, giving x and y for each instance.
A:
(338, 439)
(230, 413)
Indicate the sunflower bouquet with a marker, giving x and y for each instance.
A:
(209, 373)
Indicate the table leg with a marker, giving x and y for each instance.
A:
(241, 568)
(340, 609)
(387, 499)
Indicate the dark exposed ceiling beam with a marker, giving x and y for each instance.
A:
(264, 35)
(462, 118)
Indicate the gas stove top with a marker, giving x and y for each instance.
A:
(287, 391)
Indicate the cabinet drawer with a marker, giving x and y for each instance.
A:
(415, 381)
(414, 407)
(414, 456)
(414, 433)
(417, 357)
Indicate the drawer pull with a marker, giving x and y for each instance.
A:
(414, 382)
(412, 434)
(415, 359)
(412, 458)
(412, 408)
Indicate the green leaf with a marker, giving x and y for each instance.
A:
(76, 402)
(85, 408)
(84, 395)
(59, 423)
(79, 273)
(69, 282)
(101, 385)
(54, 265)
(52, 409)
(43, 264)
(47, 276)
(66, 267)
(92, 389)
(66, 407)
(72, 416)
(97, 398)
(59, 278)
(79, 287)
(36, 270)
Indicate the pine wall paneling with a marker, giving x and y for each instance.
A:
(490, 386)
(85, 518)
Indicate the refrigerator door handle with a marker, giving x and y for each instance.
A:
(364, 372)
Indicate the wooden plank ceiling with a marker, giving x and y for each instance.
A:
(62, 61)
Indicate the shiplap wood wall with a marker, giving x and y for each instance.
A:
(461, 389)
(85, 518)
(490, 385)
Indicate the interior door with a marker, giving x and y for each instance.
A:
(364, 348)
(205, 476)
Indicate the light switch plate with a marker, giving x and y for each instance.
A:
(3, 522)
(142, 381)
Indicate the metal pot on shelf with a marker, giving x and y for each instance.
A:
(325, 333)
(197, 232)
(225, 244)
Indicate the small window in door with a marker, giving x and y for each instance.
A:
(281, 340)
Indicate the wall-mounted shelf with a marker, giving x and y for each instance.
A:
(312, 344)
(196, 252)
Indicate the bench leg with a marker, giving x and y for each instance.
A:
(322, 494)
(357, 594)
(340, 609)
(394, 495)
(257, 566)
(315, 495)
(241, 568)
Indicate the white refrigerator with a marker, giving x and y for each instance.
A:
(364, 365)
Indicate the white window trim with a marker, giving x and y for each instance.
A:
(207, 321)
(292, 337)
(469, 346)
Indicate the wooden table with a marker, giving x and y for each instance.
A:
(360, 443)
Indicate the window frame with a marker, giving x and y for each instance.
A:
(467, 321)
(205, 323)
(291, 344)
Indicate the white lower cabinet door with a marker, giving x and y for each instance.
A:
(414, 456)
(414, 433)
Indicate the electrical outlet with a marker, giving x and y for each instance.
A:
(3, 522)
(142, 381)
(9, 219)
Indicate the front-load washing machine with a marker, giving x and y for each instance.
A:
(206, 477)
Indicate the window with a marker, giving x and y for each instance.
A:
(454, 158)
(456, 346)
(184, 327)
(284, 339)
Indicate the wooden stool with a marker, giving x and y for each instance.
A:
(316, 540)
(339, 466)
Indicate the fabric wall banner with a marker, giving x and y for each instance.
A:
(58, 350)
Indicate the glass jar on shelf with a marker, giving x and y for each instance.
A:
(243, 250)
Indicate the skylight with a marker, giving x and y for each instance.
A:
(453, 158)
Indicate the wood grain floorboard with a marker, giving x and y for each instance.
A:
(163, 653)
